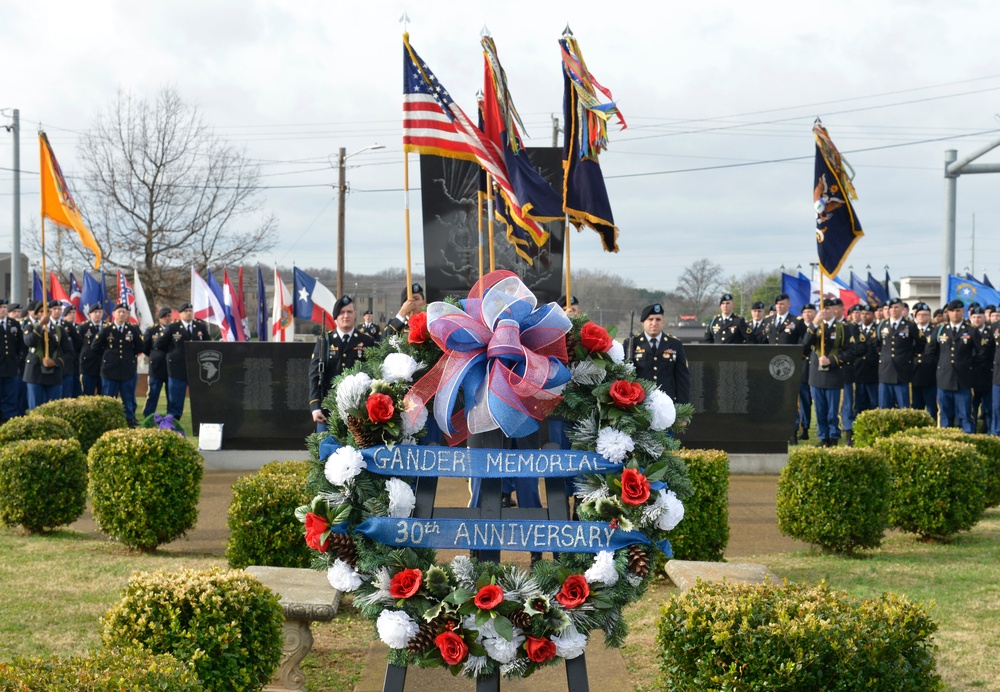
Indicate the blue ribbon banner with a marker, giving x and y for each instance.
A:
(462, 462)
(492, 534)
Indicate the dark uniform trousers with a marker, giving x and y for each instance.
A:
(827, 385)
(44, 384)
(923, 385)
(12, 351)
(993, 332)
(171, 342)
(866, 369)
(157, 369)
(956, 350)
(90, 361)
(120, 347)
(898, 344)
(332, 355)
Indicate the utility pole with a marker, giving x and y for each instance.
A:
(15, 250)
(555, 131)
(342, 190)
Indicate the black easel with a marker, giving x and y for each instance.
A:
(489, 508)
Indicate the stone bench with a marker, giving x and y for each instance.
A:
(305, 596)
(686, 573)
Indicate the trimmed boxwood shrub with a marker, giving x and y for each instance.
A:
(836, 498)
(35, 427)
(135, 670)
(703, 534)
(937, 485)
(263, 529)
(987, 445)
(144, 486)
(43, 483)
(877, 423)
(90, 416)
(737, 636)
(225, 623)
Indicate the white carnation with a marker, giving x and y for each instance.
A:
(343, 577)
(662, 407)
(396, 628)
(569, 643)
(401, 498)
(501, 650)
(485, 630)
(417, 425)
(399, 367)
(617, 352)
(603, 569)
(673, 510)
(343, 465)
(352, 393)
(614, 444)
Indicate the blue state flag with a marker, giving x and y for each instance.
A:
(877, 291)
(971, 291)
(90, 294)
(262, 326)
(36, 287)
(837, 227)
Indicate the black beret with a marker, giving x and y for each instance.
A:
(33, 305)
(55, 304)
(368, 312)
(975, 310)
(93, 307)
(781, 296)
(938, 312)
(122, 306)
(833, 302)
(869, 308)
(757, 305)
(572, 300)
(414, 289)
(164, 312)
(808, 306)
(921, 306)
(3, 301)
(654, 309)
(855, 308)
(725, 297)
(955, 305)
(341, 303)
(990, 308)
(15, 306)
(895, 301)
(185, 306)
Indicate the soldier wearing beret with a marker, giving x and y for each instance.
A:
(727, 327)
(866, 363)
(14, 317)
(336, 350)
(923, 385)
(48, 343)
(831, 351)
(120, 344)
(71, 373)
(12, 351)
(158, 374)
(756, 324)
(659, 357)
(410, 306)
(372, 330)
(90, 361)
(992, 331)
(574, 306)
(956, 348)
(898, 340)
(982, 394)
(171, 341)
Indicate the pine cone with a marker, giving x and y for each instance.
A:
(343, 547)
(363, 438)
(638, 561)
(424, 639)
(519, 618)
(572, 341)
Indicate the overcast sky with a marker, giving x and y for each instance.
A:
(719, 97)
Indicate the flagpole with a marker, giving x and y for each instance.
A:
(822, 323)
(489, 212)
(480, 207)
(45, 302)
(569, 283)
(406, 210)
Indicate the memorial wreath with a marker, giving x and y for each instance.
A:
(494, 360)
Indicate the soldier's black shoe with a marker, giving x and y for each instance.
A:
(133, 424)
(849, 438)
(804, 435)
(506, 500)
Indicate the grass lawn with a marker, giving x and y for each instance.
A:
(54, 588)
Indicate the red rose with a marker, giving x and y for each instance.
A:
(540, 649)
(574, 591)
(315, 526)
(635, 487)
(625, 393)
(452, 647)
(595, 338)
(489, 597)
(406, 583)
(380, 408)
(418, 328)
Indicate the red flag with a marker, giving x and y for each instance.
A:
(57, 291)
(231, 307)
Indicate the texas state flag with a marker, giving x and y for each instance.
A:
(313, 301)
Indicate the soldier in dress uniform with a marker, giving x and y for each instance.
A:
(898, 340)
(828, 341)
(956, 348)
(574, 306)
(756, 324)
(410, 306)
(12, 351)
(71, 373)
(171, 342)
(335, 351)
(659, 357)
(48, 345)
(157, 363)
(787, 329)
(14, 315)
(727, 327)
(847, 409)
(982, 395)
(369, 327)
(923, 384)
(993, 334)
(866, 362)
(90, 362)
(120, 344)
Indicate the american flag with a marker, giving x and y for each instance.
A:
(434, 124)
(127, 296)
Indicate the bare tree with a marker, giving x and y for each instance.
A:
(167, 193)
(748, 288)
(699, 285)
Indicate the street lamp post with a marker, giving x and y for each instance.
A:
(342, 193)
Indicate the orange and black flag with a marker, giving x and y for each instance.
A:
(837, 227)
(58, 205)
